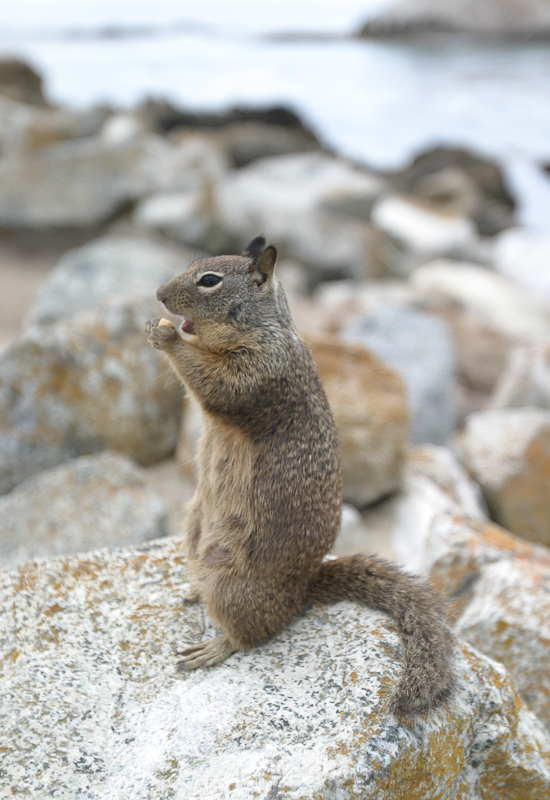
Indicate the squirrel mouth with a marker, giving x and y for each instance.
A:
(187, 326)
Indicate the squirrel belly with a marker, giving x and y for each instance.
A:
(268, 503)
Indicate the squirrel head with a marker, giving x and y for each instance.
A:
(225, 300)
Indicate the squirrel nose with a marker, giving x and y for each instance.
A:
(162, 293)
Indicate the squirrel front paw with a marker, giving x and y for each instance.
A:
(160, 333)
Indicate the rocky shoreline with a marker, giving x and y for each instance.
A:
(427, 309)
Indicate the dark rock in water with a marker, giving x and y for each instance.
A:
(164, 117)
(462, 182)
(21, 83)
(504, 19)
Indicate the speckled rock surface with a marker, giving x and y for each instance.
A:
(91, 502)
(420, 348)
(369, 404)
(82, 385)
(92, 707)
(508, 453)
(499, 585)
(108, 266)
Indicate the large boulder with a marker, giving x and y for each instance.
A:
(407, 233)
(487, 313)
(507, 451)
(20, 82)
(516, 19)
(89, 275)
(498, 586)
(91, 703)
(86, 181)
(93, 501)
(457, 181)
(82, 385)
(419, 347)
(315, 207)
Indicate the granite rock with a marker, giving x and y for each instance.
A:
(487, 313)
(419, 347)
(92, 706)
(498, 586)
(82, 385)
(93, 501)
(89, 275)
(507, 451)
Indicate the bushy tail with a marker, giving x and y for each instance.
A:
(428, 676)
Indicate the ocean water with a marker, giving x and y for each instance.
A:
(380, 102)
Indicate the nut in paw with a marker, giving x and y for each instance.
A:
(160, 333)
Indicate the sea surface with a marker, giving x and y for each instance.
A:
(380, 102)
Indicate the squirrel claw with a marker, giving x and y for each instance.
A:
(160, 336)
(204, 654)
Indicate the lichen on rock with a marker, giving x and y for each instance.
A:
(92, 706)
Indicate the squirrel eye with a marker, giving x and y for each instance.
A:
(209, 279)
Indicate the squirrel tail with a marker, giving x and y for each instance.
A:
(428, 676)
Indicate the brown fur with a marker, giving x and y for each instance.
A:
(268, 503)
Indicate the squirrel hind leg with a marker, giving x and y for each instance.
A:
(205, 654)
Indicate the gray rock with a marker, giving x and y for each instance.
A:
(84, 182)
(93, 501)
(91, 704)
(419, 347)
(301, 201)
(248, 141)
(82, 385)
(112, 265)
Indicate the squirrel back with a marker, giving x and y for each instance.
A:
(268, 502)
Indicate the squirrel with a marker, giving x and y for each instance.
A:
(268, 503)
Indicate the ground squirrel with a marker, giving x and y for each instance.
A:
(268, 504)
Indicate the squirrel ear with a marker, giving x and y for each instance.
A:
(254, 248)
(265, 262)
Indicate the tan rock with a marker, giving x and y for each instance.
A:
(498, 584)
(85, 384)
(508, 453)
(91, 705)
(369, 404)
